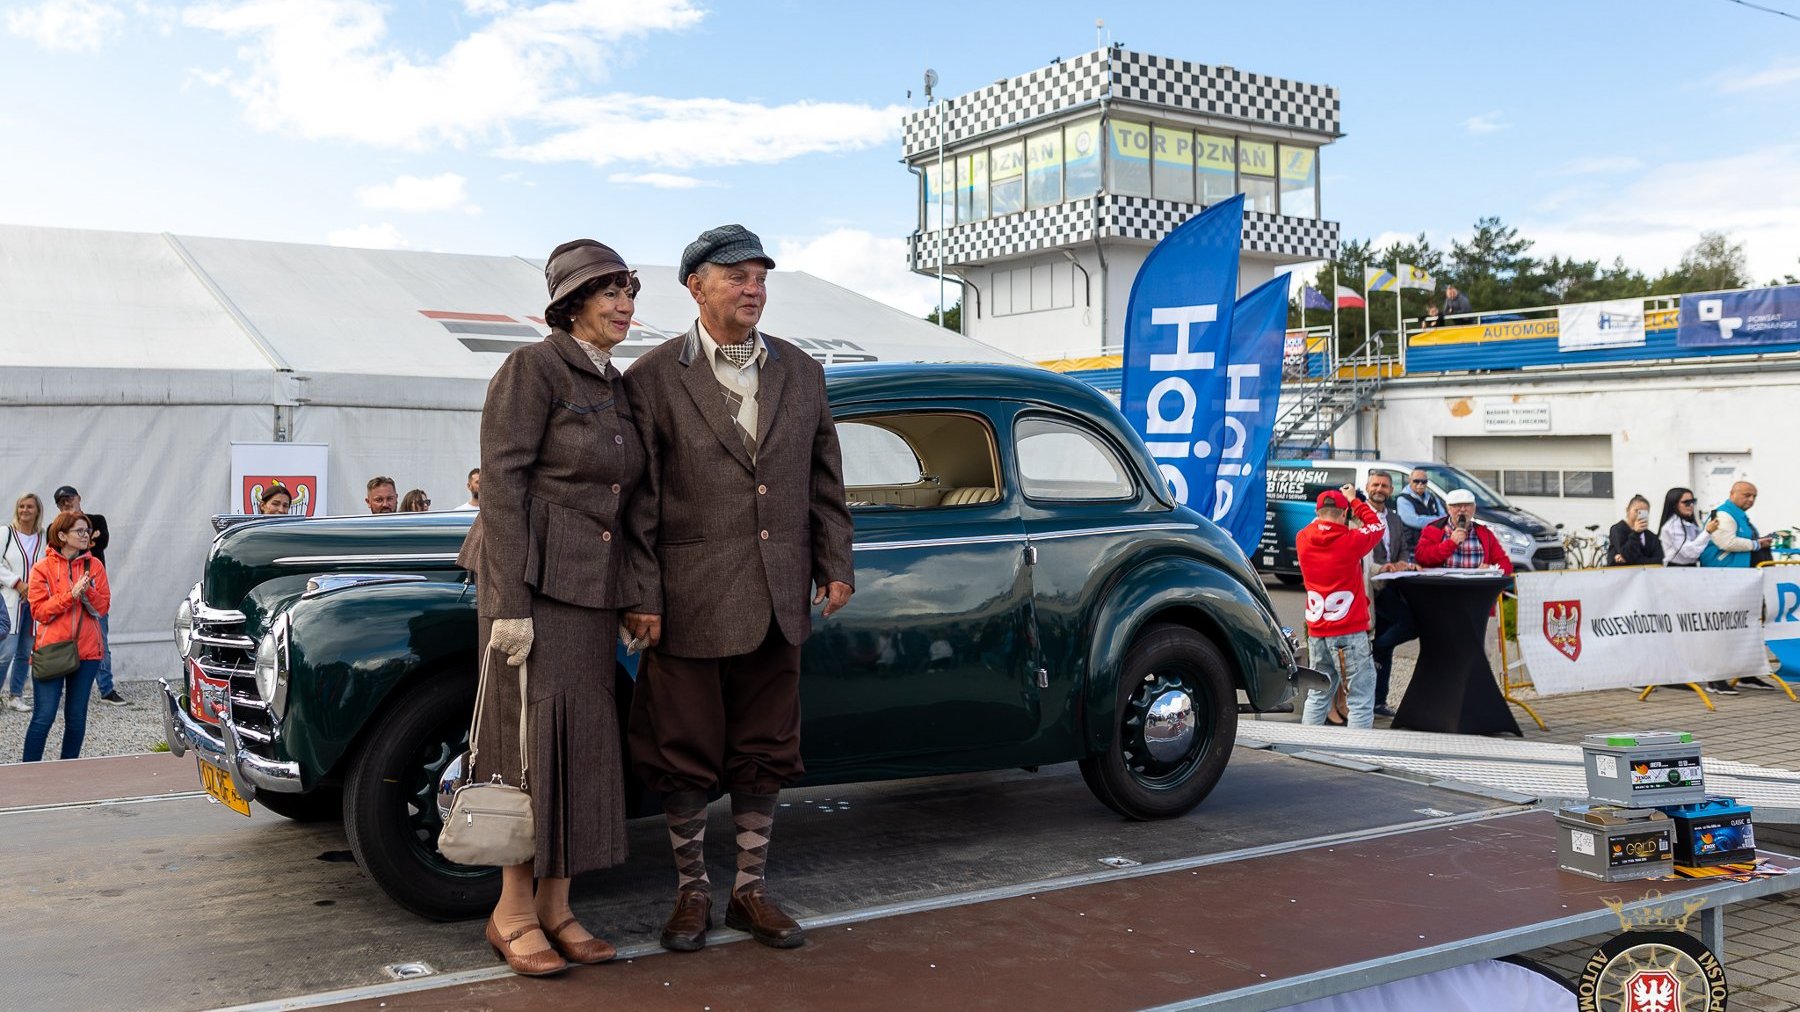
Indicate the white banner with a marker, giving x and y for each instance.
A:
(1781, 602)
(1589, 325)
(1640, 625)
(299, 466)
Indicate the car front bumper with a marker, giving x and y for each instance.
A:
(224, 750)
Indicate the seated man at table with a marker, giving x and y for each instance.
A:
(1337, 601)
(1459, 541)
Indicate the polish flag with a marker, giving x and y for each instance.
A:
(1348, 299)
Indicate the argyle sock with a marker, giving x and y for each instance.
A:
(754, 817)
(686, 813)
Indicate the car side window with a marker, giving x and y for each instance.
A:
(918, 460)
(1062, 461)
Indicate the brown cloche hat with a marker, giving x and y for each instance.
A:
(577, 262)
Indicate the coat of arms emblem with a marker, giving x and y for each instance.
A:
(1562, 627)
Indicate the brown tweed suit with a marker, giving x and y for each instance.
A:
(560, 456)
(727, 551)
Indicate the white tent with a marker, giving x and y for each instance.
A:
(130, 362)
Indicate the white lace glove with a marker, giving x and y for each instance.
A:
(512, 637)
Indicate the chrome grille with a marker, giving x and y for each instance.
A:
(224, 653)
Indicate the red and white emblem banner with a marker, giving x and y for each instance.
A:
(1640, 625)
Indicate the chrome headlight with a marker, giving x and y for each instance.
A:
(184, 627)
(271, 667)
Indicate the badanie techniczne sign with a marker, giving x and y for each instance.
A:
(1515, 416)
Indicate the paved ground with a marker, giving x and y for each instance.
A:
(1762, 954)
(1763, 948)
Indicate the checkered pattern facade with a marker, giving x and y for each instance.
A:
(1223, 92)
(1143, 219)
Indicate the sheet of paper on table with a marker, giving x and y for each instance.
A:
(1484, 572)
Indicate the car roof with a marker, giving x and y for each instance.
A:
(912, 380)
(1379, 465)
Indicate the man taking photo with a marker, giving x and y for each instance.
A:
(1337, 602)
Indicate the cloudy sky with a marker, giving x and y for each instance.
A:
(1600, 127)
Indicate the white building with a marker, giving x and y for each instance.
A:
(1056, 184)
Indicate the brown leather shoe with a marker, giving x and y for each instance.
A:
(687, 926)
(752, 911)
(586, 952)
(535, 964)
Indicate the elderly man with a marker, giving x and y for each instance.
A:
(383, 496)
(1459, 541)
(1393, 618)
(740, 521)
(1418, 506)
(1736, 545)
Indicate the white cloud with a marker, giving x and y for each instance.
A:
(866, 263)
(67, 25)
(1777, 76)
(326, 69)
(1486, 123)
(1597, 165)
(419, 195)
(382, 236)
(682, 133)
(660, 180)
(1653, 219)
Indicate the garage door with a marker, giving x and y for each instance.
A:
(1564, 479)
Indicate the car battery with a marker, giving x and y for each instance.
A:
(1643, 770)
(1614, 844)
(1716, 831)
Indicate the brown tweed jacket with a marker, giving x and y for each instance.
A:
(718, 542)
(560, 456)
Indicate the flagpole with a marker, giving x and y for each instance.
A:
(1368, 296)
(1399, 325)
(1331, 349)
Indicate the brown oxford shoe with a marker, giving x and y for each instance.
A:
(532, 964)
(752, 911)
(586, 952)
(687, 926)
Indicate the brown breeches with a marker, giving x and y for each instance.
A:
(702, 724)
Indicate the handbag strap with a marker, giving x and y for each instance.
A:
(475, 728)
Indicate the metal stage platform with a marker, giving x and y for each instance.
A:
(1505, 769)
(983, 891)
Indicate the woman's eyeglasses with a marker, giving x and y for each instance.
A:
(1684, 502)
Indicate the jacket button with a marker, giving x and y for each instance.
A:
(605, 535)
(765, 535)
(618, 439)
(762, 490)
(615, 488)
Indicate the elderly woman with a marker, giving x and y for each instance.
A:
(69, 596)
(560, 456)
(275, 500)
(20, 549)
(415, 501)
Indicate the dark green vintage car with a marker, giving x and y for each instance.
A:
(1028, 593)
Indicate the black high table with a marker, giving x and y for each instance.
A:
(1453, 688)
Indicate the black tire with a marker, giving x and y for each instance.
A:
(1290, 579)
(1126, 777)
(323, 804)
(390, 804)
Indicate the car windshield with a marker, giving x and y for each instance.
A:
(1448, 479)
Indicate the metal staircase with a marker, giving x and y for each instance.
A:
(1313, 407)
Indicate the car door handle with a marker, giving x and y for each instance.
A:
(1031, 555)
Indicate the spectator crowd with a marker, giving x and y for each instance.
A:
(1354, 624)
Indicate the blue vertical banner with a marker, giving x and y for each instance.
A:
(1177, 339)
(1243, 420)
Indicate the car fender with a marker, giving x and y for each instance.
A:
(1189, 592)
(349, 649)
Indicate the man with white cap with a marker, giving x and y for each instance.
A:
(1459, 541)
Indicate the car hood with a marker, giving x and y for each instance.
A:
(249, 554)
(1519, 520)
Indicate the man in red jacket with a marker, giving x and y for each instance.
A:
(1459, 541)
(1337, 601)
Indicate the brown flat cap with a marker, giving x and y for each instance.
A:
(577, 262)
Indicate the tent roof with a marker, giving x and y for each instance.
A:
(140, 301)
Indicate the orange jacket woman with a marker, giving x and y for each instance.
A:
(68, 592)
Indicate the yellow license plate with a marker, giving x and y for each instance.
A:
(218, 785)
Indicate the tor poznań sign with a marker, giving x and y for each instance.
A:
(1615, 628)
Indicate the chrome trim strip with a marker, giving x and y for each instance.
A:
(325, 583)
(994, 539)
(250, 702)
(351, 560)
(233, 642)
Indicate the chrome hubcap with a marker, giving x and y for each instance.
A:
(1169, 726)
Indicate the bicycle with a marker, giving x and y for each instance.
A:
(1584, 551)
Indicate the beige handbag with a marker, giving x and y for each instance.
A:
(491, 823)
